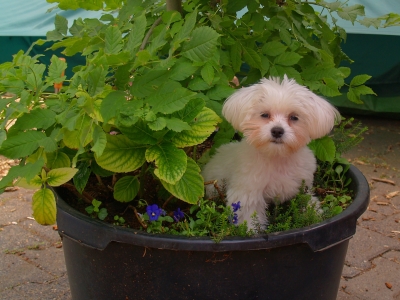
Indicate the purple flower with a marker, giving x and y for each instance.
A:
(178, 214)
(153, 211)
(234, 219)
(236, 206)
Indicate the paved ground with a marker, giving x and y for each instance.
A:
(32, 262)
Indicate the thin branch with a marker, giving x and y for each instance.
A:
(215, 183)
(85, 196)
(144, 225)
(149, 33)
(166, 202)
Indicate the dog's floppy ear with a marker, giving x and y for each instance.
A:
(322, 115)
(237, 105)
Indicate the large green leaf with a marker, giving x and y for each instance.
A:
(33, 184)
(56, 69)
(96, 80)
(170, 161)
(57, 177)
(61, 24)
(198, 84)
(36, 118)
(136, 35)
(359, 80)
(113, 40)
(57, 160)
(121, 154)
(251, 57)
(351, 13)
(190, 188)
(234, 6)
(274, 48)
(158, 124)
(81, 135)
(21, 145)
(236, 56)
(207, 73)
(190, 22)
(157, 42)
(177, 125)
(190, 111)
(287, 59)
(139, 133)
(202, 126)
(44, 207)
(99, 140)
(170, 98)
(219, 92)
(31, 169)
(49, 144)
(330, 88)
(13, 173)
(126, 188)
(182, 69)
(201, 45)
(145, 85)
(323, 148)
(118, 59)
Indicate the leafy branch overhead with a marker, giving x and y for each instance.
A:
(153, 85)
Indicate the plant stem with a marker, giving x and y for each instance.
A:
(142, 180)
(195, 153)
(170, 5)
(99, 180)
(149, 33)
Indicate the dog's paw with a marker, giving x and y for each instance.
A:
(314, 202)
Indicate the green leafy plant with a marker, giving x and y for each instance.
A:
(297, 213)
(118, 220)
(212, 219)
(333, 206)
(151, 90)
(95, 211)
(332, 167)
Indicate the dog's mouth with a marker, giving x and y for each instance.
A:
(277, 141)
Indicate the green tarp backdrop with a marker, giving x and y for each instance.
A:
(375, 52)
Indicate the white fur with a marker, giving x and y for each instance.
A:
(262, 168)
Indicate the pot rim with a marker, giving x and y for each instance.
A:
(96, 234)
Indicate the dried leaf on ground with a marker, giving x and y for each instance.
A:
(384, 180)
(392, 194)
(368, 219)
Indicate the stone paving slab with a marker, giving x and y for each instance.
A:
(56, 289)
(32, 262)
(381, 282)
(16, 271)
(365, 246)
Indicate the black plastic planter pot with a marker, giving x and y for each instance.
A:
(109, 262)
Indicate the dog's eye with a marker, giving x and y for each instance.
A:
(293, 118)
(265, 115)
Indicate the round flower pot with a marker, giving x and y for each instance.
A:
(110, 262)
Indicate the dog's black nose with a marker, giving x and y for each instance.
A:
(277, 132)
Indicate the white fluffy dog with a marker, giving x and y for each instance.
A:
(278, 120)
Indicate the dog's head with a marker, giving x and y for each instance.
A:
(279, 116)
